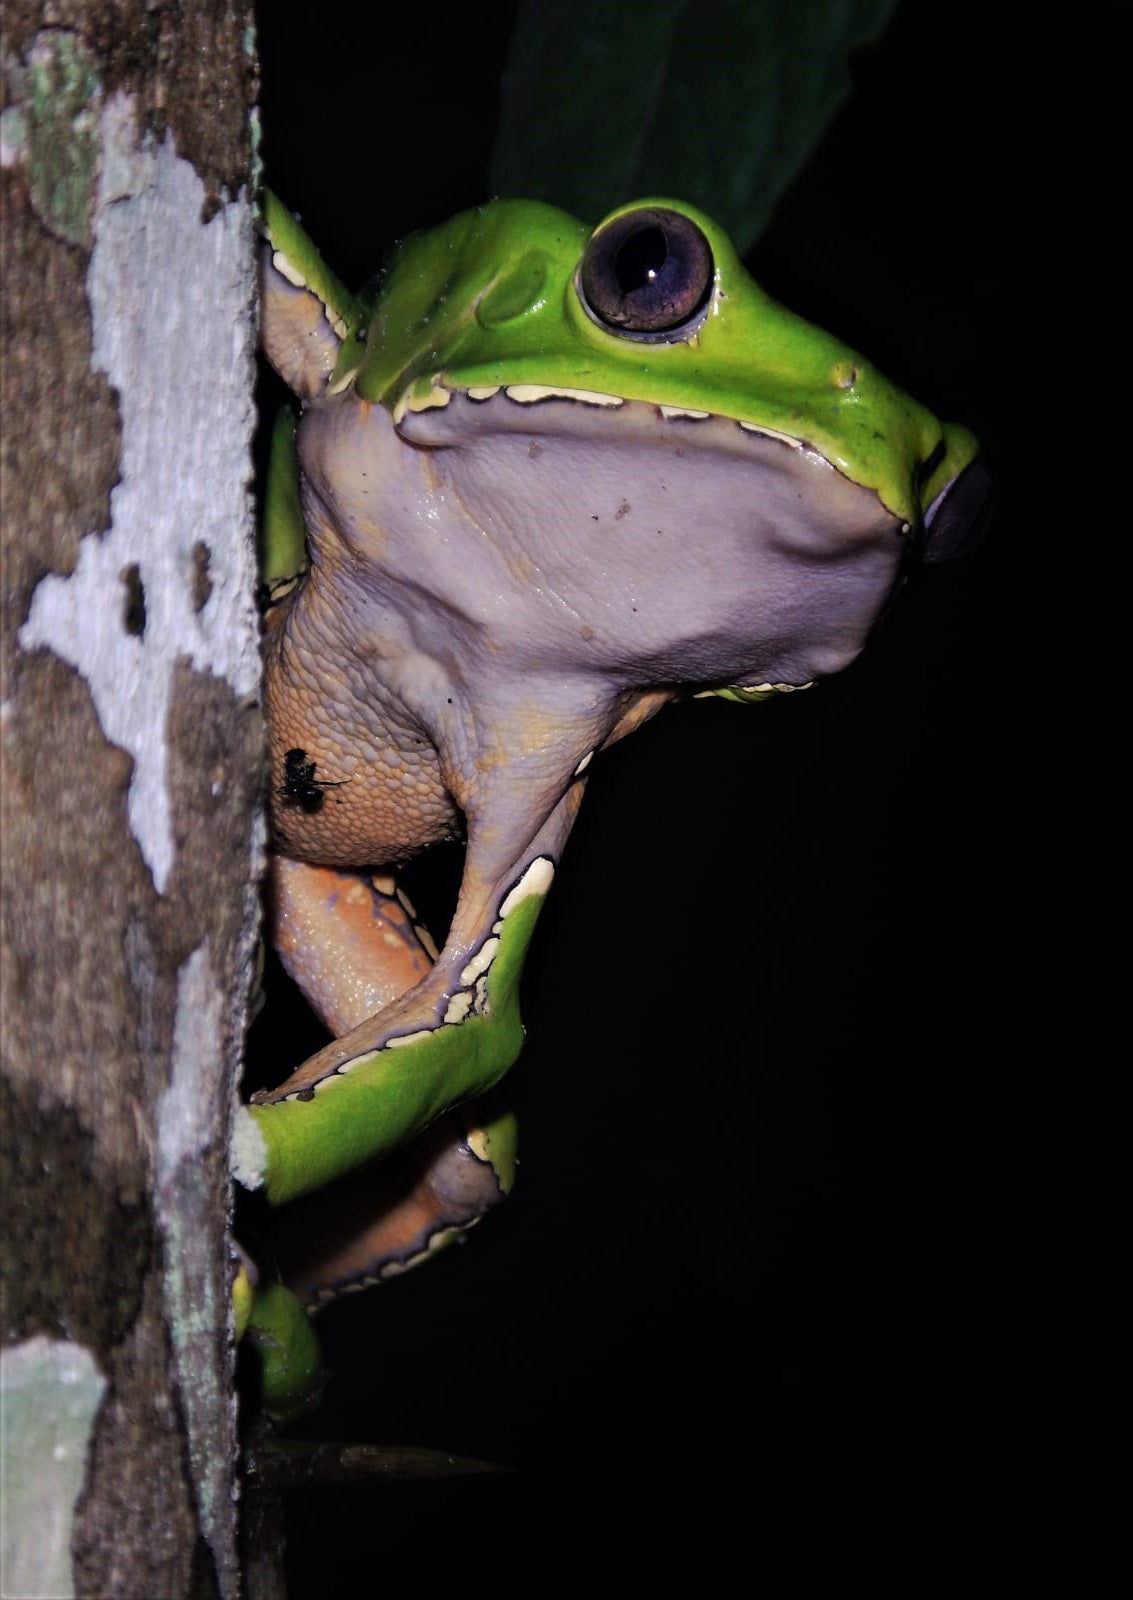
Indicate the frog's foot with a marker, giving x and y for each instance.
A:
(275, 1325)
(396, 1214)
(379, 1222)
(280, 1331)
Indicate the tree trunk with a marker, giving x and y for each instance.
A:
(132, 766)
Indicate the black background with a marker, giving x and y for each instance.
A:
(758, 1269)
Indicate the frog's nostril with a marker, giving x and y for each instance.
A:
(957, 519)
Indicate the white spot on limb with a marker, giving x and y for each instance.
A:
(166, 293)
(287, 269)
(536, 880)
(459, 1006)
(680, 411)
(344, 379)
(404, 1038)
(481, 961)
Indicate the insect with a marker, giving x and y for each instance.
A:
(300, 787)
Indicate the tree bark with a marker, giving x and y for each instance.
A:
(132, 769)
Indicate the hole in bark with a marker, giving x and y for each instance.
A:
(134, 611)
(202, 582)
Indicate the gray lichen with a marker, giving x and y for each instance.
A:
(52, 131)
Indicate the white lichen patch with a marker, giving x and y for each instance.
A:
(50, 1393)
(170, 300)
(185, 1115)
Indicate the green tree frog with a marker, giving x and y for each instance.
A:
(551, 477)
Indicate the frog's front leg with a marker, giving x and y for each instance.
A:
(351, 943)
(447, 1040)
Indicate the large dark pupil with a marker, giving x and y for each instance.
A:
(641, 258)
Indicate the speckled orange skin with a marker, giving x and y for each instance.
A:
(388, 801)
(346, 939)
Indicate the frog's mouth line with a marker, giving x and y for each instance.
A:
(439, 394)
(906, 504)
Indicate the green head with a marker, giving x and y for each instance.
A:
(654, 305)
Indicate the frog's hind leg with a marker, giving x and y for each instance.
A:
(450, 1038)
(350, 940)
(352, 943)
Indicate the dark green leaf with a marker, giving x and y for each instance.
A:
(718, 102)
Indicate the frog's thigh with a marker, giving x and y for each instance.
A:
(348, 939)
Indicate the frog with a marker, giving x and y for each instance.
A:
(546, 478)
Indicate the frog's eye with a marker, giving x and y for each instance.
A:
(648, 274)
